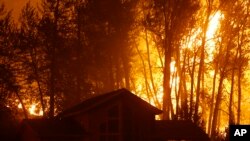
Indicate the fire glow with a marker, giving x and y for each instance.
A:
(33, 109)
(145, 90)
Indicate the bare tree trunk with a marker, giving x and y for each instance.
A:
(144, 73)
(35, 69)
(41, 95)
(183, 89)
(239, 89)
(167, 102)
(217, 106)
(192, 88)
(178, 85)
(240, 71)
(201, 64)
(212, 101)
(231, 99)
(22, 104)
(166, 89)
(118, 74)
(52, 90)
(150, 71)
(126, 73)
(52, 65)
(230, 110)
(223, 71)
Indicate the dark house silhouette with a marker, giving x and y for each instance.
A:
(8, 124)
(178, 130)
(116, 116)
(51, 130)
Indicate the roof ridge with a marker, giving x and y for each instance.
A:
(101, 99)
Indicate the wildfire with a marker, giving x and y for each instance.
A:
(19, 106)
(152, 90)
(33, 109)
(213, 27)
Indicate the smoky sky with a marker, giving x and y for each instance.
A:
(16, 6)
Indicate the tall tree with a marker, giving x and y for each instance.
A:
(55, 30)
(200, 79)
(111, 22)
(31, 51)
(8, 81)
(232, 40)
(169, 17)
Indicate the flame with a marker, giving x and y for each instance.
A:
(34, 110)
(153, 90)
(213, 25)
(156, 61)
(19, 106)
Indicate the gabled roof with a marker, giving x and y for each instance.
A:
(179, 130)
(54, 127)
(95, 102)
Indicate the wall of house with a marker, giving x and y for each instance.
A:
(27, 134)
(83, 120)
(138, 123)
(118, 120)
(105, 122)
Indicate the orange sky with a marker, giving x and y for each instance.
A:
(16, 5)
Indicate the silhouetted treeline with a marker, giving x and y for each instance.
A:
(67, 50)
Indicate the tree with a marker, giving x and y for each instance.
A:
(171, 27)
(108, 36)
(230, 57)
(31, 51)
(55, 30)
(200, 79)
(8, 82)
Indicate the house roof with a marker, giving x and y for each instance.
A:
(179, 130)
(99, 100)
(54, 127)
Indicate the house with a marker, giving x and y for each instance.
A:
(122, 116)
(178, 130)
(115, 116)
(50, 130)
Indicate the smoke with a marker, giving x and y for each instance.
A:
(16, 6)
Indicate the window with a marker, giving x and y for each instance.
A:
(110, 129)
